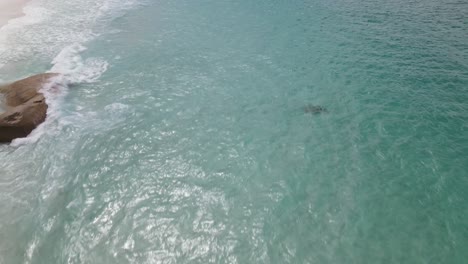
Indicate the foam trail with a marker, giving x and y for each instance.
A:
(73, 69)
(69, 63)
(54, 92)
(42, 30)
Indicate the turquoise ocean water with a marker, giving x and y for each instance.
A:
(182, 137)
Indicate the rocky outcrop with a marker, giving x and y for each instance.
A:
(26, 107)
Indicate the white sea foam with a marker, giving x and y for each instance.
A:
(65, 26)
(76, 69)
(33, 14)
(49, 26)
(54, 91)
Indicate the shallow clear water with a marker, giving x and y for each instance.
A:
(184, 137)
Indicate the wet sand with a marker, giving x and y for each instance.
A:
(10, 9)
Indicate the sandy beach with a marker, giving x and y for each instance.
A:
(10, 9)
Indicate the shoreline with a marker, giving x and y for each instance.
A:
(10, 9)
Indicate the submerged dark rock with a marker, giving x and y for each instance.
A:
(26, 107)
(314, 109)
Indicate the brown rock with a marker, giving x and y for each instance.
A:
(26, 107)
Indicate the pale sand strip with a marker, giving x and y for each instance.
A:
(10, 9)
